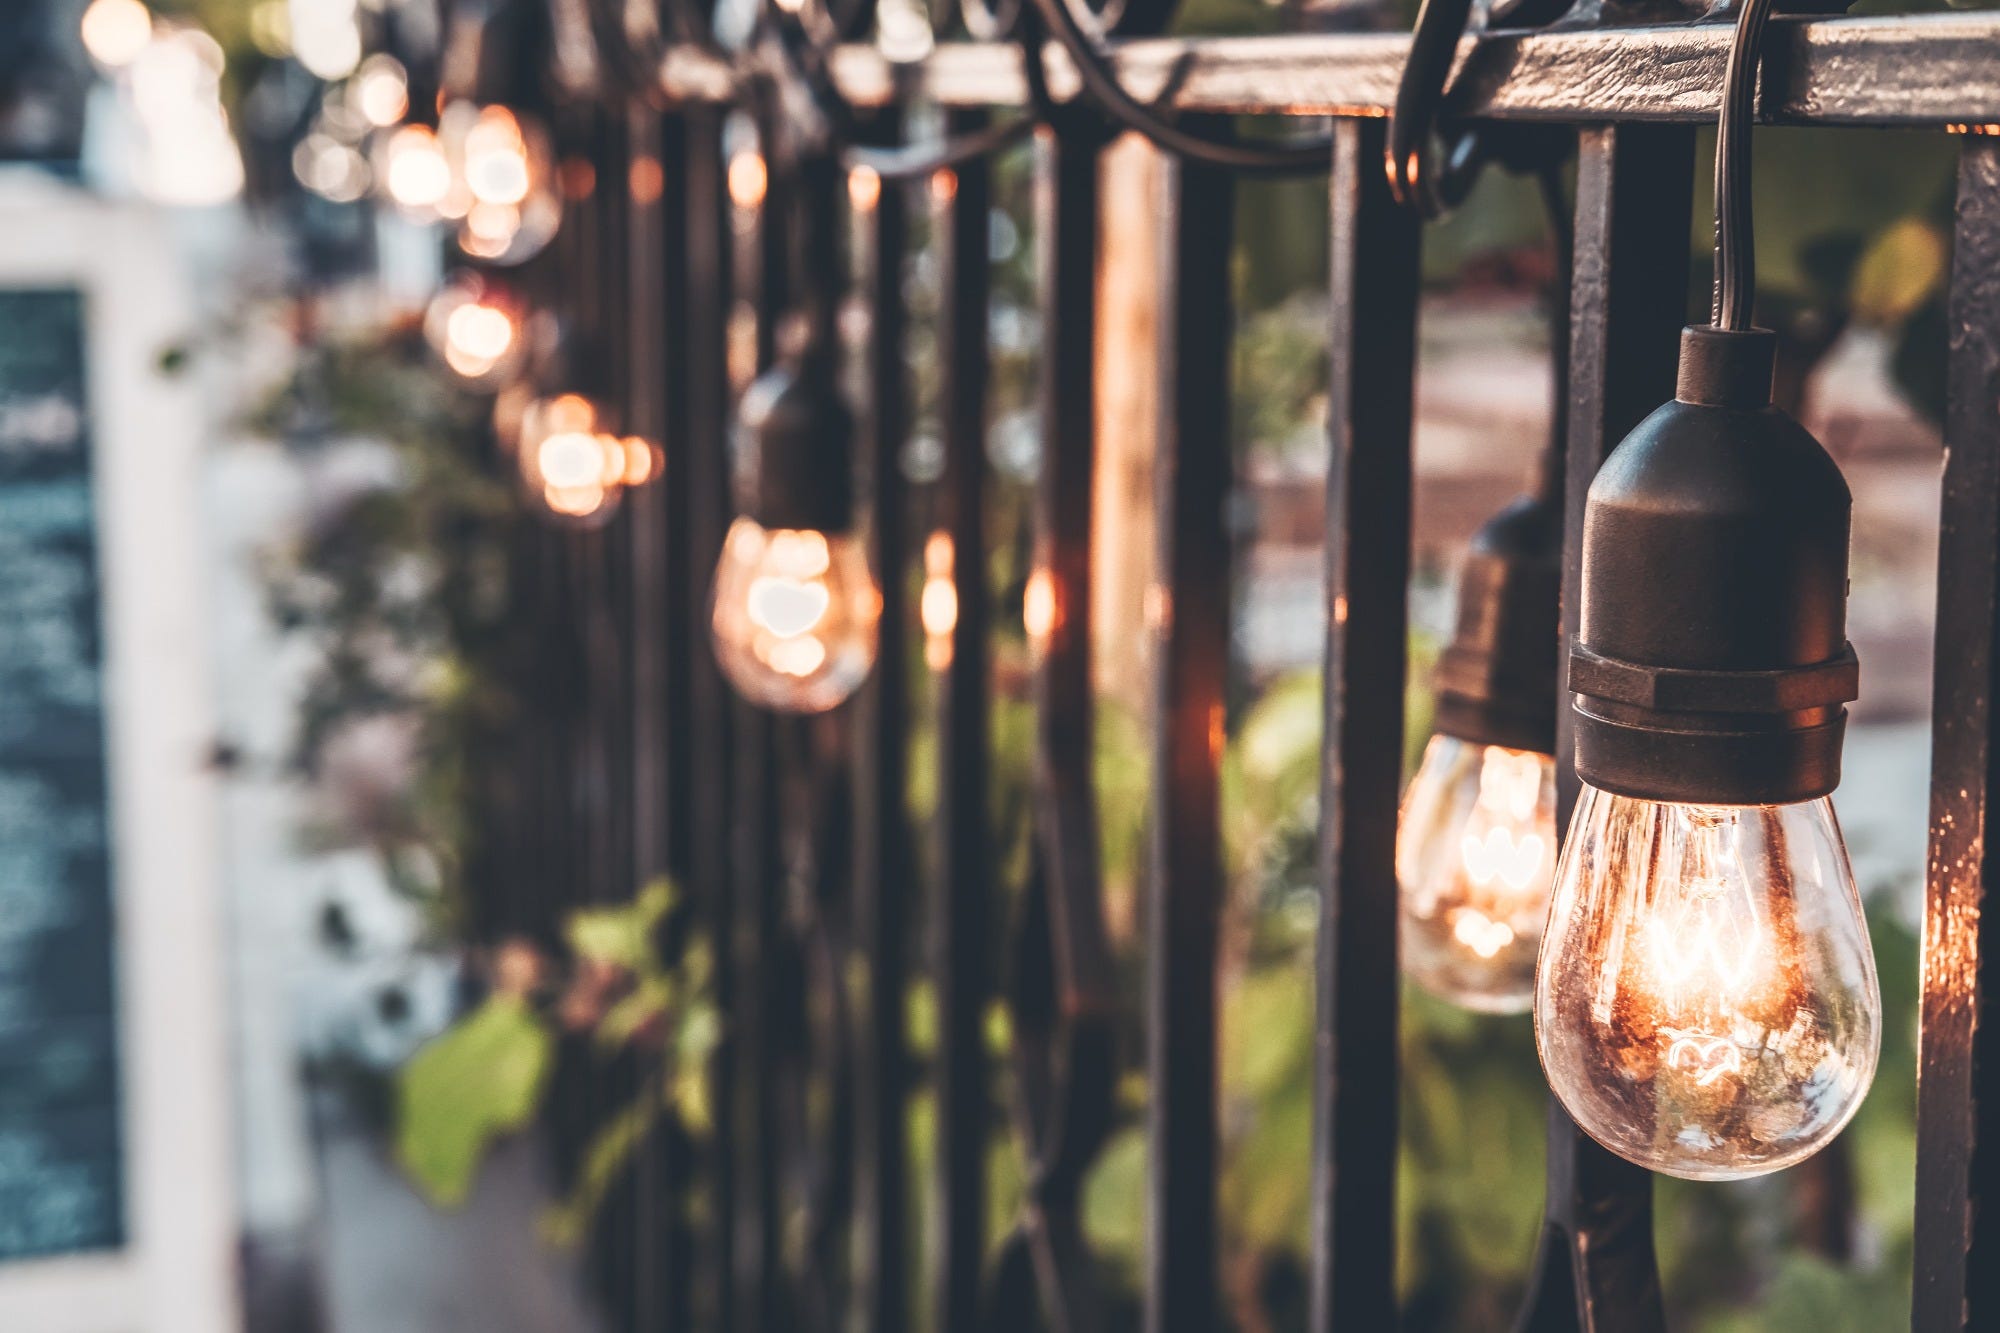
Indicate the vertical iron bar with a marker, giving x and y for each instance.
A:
(963, 202)
(699, 778)
(745, 1237)
(756, 864)
(1189, 609)
(1373, 277)
(1065, 1072)
(658, 1170)
(883, 860)
(1958, 1084)
(1595, 1271)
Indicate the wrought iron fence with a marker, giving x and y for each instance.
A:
(794, 836)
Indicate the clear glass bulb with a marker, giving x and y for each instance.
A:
(1475, 850)
(1706, 1004)
(795, 615)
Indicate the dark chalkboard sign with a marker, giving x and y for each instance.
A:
(61, 1155)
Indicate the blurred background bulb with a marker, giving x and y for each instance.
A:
(1706, 1004)
(414, 169)
(502, 182)
(1475, 852)
(794, 616)
(116, 31)
(380, 90)
(497, 169)
(476, 327)
(573, 465)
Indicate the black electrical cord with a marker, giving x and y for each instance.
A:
(802, 60)
(1100, 84)
(1562, 256)
(1735, 247)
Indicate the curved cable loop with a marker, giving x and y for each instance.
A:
(1101, 85)
(801, 57)
(1419, 97)
(1423, 179)
(1735, 248)
(631, 46)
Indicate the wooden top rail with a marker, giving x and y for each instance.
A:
(1920, 71)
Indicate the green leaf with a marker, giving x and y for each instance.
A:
(1114, 1209)
(603, 1162)
(623, 936)
(1899, 272)
(652, 997)
(480, 1080)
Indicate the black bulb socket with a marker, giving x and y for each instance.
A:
(1712, 665)
(795, 449)
(1496, 680)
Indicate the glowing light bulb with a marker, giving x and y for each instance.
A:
(476, 326)
(381, 90)
(937, 607)
(502, 181)
(1475, 851)
(794, 616)
(1706, 1004)
(497, 167)
(748, 179)
(479, 335)
(415, 169)
(116, 31)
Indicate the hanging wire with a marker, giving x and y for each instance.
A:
(1562, 247)
(1735, 247)
(1101, 85)
(800, 58)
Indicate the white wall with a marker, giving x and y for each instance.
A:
(177, 1274)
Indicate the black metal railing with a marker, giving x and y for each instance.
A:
(799, 1210)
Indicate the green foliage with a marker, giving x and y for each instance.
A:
(1811, 1295)
(400, 588)
(481, 1080)
(486, 1076)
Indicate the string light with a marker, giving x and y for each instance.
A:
(414, 169)
(477, 327)
(502, 187)
(573, 464)
(747, 180)
(380, 90)
(116, 31)
(1475, 851)
(1476, 837)
(1706, 1002)
(796, 607)
(938, 605)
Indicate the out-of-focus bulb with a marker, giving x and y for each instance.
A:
(572, 463)
(937, 607)
(380, 90)
(748, 179)
(1475, 852)
(795, 616)
(501, 186)
(636, 461)
(497, 166)
(116, 31)
(477, 337)
(476, 326)
(415, 170)
(565, 461)
(1706, 1004)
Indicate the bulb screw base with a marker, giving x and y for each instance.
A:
(1496, 680)
(795, 450)
(1712, 664)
